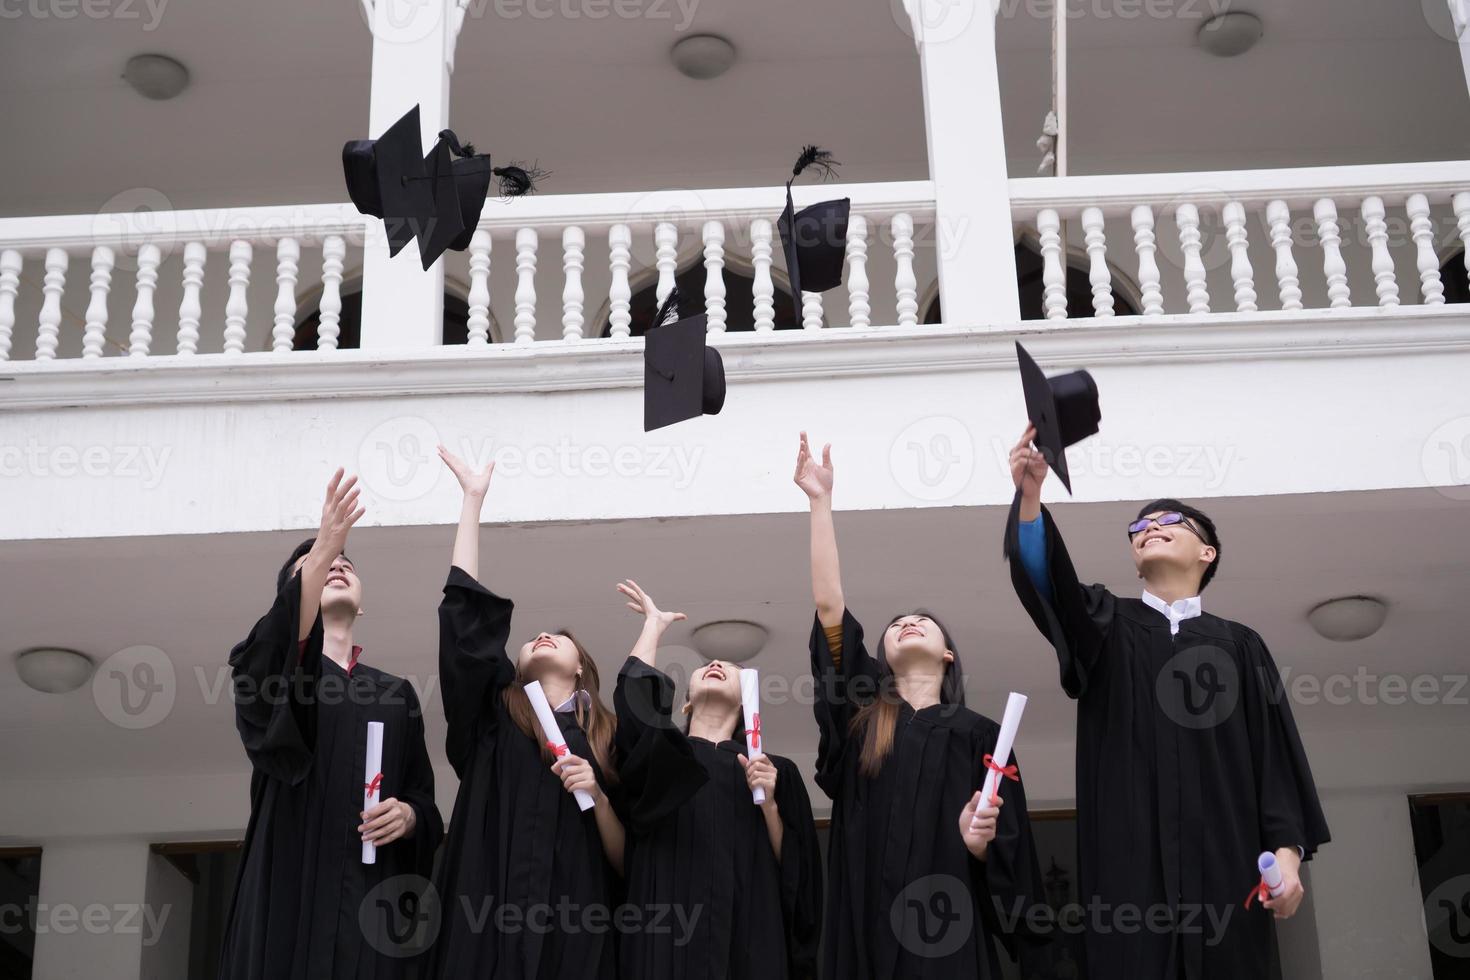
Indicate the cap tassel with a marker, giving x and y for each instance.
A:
(668, 312)
(467, 150)
(818, 159)
(518, 181)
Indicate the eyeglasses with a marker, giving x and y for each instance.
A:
(1163, 520)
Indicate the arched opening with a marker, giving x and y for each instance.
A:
(456, 323)
(1456, 280)
(739, 302)
(1029, 270)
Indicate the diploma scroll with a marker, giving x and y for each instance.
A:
(552, 731)
(1001, 758)
(750, 700)
(372, 782)
(1270, 873)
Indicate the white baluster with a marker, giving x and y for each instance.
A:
(811, 310)
(1333, 265)
(762, 288)
(190, 309)
(10, 266)
(95, 334)
(573, 248)
(525, 321)
(714, 275)
(141, 339)
(478, 324)
(1431, 287)
(329, 322)
(1279, 215)
(235, 307)
(904, 283)
(1385, 283)
(665, 258)
(49, 325)
(1097, 255)
(1241, 272)
(1053, 275)
(859, 309)
(283, 330)
(1198, 294)
(620, 295)
(1461, 205)
(1144, 243)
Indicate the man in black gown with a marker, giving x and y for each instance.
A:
(305, 905)
(1189, 764)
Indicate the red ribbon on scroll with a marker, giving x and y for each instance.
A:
(1006, 772)
(372, 787)
(754, 734)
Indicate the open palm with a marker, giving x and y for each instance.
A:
(473, 482)
(813, 477)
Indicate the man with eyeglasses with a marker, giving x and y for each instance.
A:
(1189, 765)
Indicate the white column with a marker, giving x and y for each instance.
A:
(402, 305)
(1370, 912)
(975, 246)
(91, 878)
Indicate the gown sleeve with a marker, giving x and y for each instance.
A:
(275, 686)
(1009, 880)
(1076, 620)
(474, 626)
(418, 790)
(841, 690)
(801, 872)
(657, 769)
(1290, 814)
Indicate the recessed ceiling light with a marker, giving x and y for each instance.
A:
(156, 76)
(1354, 617)
(703, 56)
(52, 670)
(1232, 34)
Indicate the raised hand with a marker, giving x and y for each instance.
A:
(979, 833)
(1028, 465)
(474, 483)
(815, 479)
(339, 512)
(641, 602)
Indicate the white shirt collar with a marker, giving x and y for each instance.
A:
(585, 699)
(1176, 612)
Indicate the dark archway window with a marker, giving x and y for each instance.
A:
(1029, 270)
(739, 302)
(456, 323)
(1456, 280)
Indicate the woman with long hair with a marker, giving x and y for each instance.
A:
(527, 880)
(741, 879)
(924, 877)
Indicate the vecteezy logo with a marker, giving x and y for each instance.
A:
(933, 21)
(135, 688)
(1447, 916)
(1198, 687)
(934, 458)
(402, 21)
(397, 459)
(933, 917)
(400, 916)
(1446, 458)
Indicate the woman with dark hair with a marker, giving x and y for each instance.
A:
(527, 880)
(923, 876)
(742, 879)
(303, 699)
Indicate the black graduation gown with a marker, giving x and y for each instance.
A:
(698, 843)
(905, 898)
(302, 885)
(521, 860)
(1189, 765)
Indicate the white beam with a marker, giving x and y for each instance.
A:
(89, 909)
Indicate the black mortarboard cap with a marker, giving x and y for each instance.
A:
(814, 239)
(682, 377)
(1064, 410)
(386, 178)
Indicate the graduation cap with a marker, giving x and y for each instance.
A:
(1064, 410)
(682, 377)
(814, 238)
(436, 198)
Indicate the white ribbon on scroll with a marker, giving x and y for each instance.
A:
(372, 782)
(552, 731)
(1009, 722)
(750, 700)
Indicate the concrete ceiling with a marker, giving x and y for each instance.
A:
(278, 86)
(194, 598)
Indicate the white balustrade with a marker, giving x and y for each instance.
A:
(620, 294)
(1385, 284)
(1431, 287)
(288, 257)
(859, 309)
(95, 333)
(1097, 262)
(665, 258)
(1333, 266)
(763, 288)
(525, 321)
(573, 246)
(10, 266)
(1186, 217)
(236, 307)
(1279, 215)
(1144, 243)
(48, 328)
(141, 339)
(190, 307)
(904, 283)
(478, 324)
(1053, 275)
(713, 234)
(1241, 272)
(329, 325)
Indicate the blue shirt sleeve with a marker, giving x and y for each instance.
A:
(1033, 554)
